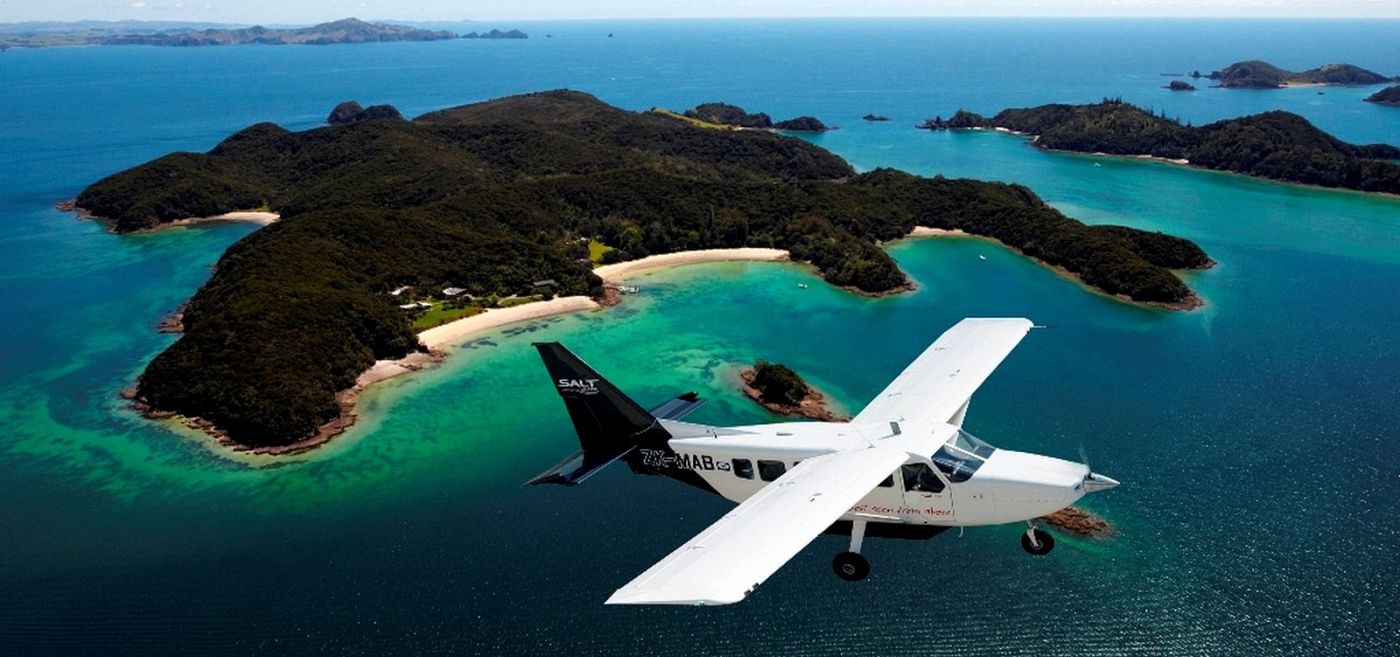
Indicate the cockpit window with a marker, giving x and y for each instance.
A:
(970, 443)
(957, 464)
(919, 478)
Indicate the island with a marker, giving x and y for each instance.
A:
(874, 118)
(1387, 96)
(1180, 85)
(496, 34)
(1257, 74)
(732, 115)
(507, 201)
(780, 390)
(348, 30)
(1276, 145)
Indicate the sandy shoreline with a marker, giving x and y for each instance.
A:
(439, 340)
(619, 271)
(251, 216)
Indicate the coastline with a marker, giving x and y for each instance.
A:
(439, 341)
(252, 216)
(1194, 302)
(260, 217)
(623, 270)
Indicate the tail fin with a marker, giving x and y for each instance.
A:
(608, 422)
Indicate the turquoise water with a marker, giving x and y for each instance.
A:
(1254, 436)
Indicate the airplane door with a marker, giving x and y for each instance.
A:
(885, 499)
(927, 496)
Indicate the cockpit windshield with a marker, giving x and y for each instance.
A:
(962, 456)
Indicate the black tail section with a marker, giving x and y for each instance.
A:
(609, 423)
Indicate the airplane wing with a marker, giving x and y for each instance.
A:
(742, 549)
(941, 380)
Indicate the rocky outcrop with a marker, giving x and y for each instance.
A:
(351, 112)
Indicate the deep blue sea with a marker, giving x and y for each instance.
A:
(1255, 437)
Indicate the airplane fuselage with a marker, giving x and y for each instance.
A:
(1005, 486)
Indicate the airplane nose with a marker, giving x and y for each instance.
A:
(1095, 482)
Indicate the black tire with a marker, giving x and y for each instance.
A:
(1046, 541)
(850, 566)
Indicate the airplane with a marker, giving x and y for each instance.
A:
(901, 468)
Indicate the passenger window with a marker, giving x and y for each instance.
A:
(918, 477)
(743, 468)
(770, 470)
(888, 482)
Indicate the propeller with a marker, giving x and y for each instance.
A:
(1093, 482)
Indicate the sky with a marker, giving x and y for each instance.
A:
(312, 11)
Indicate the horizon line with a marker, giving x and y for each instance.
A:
(310, 22)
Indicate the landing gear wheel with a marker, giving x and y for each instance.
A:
(1042, 544)
(850, 566)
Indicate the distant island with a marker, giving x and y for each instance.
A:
(1257, 74)
(1387, 96)
(496, 34)
(348, 30)
(874, 117)
(512, 200)
(780, 390)
(1179, 85)
(1276, 145)
(733, 115)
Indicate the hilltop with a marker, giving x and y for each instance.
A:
(494, 197)
(1257, 74)
(1276, 145)
(348, 30)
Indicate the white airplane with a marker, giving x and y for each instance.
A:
(902, 468)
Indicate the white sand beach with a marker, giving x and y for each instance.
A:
(253, 216)
(619, 271)
(455, 332)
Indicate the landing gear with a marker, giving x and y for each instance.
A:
(850, 566)
(1037, 541)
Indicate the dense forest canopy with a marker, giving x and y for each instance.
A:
(494, 196)
(1278, 145)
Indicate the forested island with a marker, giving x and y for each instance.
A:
(493, 198)
(780, 390)
(735, 116)
(1387, 96)
(496, 34)
(348, 30)
(1257, 74)
(1276, 145)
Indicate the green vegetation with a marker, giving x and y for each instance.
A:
(442, 313)
(495, 196)
(802, 124)
(1276, 145)
(778, 384)
(726, 114)
(1387, 96)
(735, 116)
(1256, 74)
(597, 250)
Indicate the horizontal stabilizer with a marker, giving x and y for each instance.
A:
(579, 466)
(678, 407)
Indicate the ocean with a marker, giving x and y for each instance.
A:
(1254, 437)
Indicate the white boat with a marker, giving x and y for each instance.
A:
(802, 285)
(981, 257)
